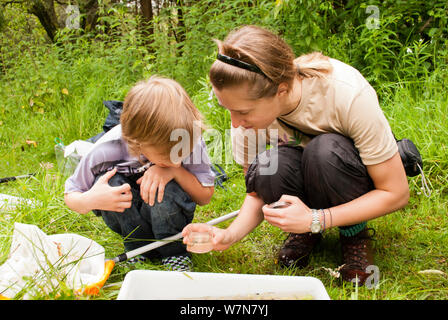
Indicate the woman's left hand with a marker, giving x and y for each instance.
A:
(294, 218)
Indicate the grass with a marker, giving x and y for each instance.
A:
(407, 241)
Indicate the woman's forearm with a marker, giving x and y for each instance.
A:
(371, 205)
(249, 217)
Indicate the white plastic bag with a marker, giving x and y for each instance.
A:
(80, 147)
(9, 203)
(68, 157)
(39, 264)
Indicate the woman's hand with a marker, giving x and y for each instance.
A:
(248, 218)
(221, 238)
(294, 218)
(155, 178)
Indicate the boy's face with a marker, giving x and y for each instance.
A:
(158, 158)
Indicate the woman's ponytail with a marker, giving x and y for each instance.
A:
(314, 64)
(271, 54)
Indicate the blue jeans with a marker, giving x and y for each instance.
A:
(140, 224)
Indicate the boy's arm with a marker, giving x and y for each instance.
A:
(195, 178)
(101, 196)
(156, 177)
(190, 184)
(77, 202)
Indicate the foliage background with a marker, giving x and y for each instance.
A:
(52, 84)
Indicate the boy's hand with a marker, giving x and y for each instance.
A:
(155, 178)
(104, 197)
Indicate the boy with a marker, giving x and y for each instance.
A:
(161, 201)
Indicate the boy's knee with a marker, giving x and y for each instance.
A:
(117, 180)
(172, 188)
(174, 193)
(176, 204)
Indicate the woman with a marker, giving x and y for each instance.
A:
(337, 160)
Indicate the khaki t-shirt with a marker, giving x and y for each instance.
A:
(343, 102)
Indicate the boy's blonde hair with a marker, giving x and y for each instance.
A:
(152, 110)
(271, 54)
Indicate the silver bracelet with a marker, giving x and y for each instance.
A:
(323, 215)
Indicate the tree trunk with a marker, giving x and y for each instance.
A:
(89, 12)
(181, 23)
(44, 11)
(146, 26)
(179, 28)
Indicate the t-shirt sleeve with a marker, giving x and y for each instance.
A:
(101, 158)
(366, 124)
(198, 163)
(83, 178)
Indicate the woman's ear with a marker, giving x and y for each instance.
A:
(283, 89)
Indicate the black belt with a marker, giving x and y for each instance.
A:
(128, 168)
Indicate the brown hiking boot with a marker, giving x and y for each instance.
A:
(297, 248)
(357, 255)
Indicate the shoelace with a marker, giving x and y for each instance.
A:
(298, 242)
(354, 251)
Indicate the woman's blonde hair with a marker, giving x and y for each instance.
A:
(271, 54)
(152, 110)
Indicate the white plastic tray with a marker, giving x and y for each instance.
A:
(173, 285)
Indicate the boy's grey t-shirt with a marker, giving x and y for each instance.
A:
(111, 149)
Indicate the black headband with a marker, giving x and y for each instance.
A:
(240, 64)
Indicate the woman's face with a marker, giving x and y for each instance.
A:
(245, 112)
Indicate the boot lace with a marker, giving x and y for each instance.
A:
(355, 250)
(299, 242)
